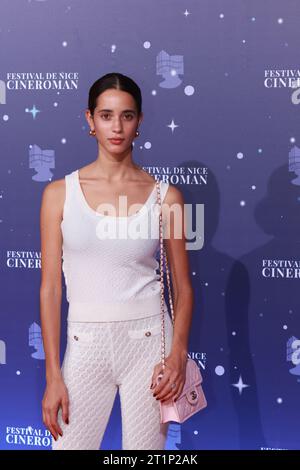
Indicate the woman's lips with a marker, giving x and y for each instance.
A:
(116, 141)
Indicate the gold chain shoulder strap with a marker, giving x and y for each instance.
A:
(163, 256)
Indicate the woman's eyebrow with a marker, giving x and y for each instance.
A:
(110, 111)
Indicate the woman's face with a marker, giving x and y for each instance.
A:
(115, 117)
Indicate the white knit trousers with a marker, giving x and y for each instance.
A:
(100, 359)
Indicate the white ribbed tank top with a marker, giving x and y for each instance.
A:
(109, 263)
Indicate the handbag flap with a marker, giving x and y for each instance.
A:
(193, 375)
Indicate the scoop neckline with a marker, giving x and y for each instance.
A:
(92, 211)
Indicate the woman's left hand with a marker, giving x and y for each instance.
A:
(172, 381)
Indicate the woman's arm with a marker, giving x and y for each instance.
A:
(175, 242)
(50, 288)
(50, 301)
(183, 296)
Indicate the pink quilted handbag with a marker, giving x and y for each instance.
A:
(192, 398)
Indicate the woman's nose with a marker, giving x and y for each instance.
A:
(116, 126)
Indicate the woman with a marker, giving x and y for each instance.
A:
(113, 290)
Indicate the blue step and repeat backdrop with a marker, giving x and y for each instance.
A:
(221, 92)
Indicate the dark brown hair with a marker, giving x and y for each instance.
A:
(118, 81)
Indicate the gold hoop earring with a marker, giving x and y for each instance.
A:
(137, 133)
(92, 133)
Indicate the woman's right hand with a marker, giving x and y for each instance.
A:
(55, 396)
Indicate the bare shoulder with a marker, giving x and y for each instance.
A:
(55, 189)
(54, 195)
(145, 176)
(173, 196)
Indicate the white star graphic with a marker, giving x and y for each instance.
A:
(172, 125)
(240, 385)
(33, 111)
(186, 13)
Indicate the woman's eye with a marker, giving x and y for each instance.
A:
(127, 116)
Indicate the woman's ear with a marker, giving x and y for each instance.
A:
(89, 118)
(141, 119)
